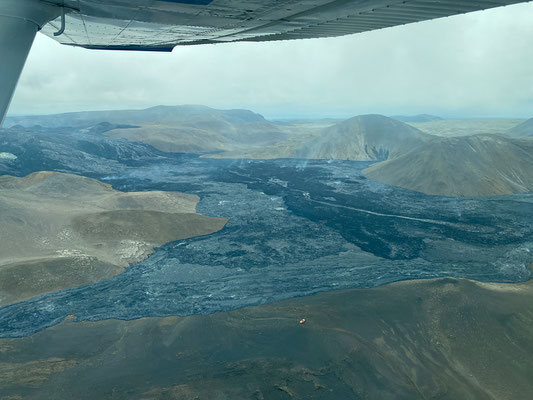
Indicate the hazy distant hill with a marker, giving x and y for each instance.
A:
(362, 138)
(467, 126)
(480, 165)
(188, 128)
(417, 118)
(154, 115)
(525, 129)
(366, 137)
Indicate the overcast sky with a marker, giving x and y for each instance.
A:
(479, 64)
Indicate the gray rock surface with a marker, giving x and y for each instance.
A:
(480, 165)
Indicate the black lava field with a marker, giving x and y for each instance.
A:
(296, 227)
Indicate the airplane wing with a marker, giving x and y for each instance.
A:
(160, 25)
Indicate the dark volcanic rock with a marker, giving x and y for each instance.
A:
(66, 149)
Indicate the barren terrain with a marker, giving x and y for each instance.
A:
(61, 230)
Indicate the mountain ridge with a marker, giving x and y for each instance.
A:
(157, 114)
(479, 165)
(366, 137)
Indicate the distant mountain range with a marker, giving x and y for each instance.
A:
(363, 138)
(187, 128)
(477, 165)
(238, 133)
(480, 165)
(159, 115)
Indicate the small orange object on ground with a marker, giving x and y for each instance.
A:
(302, 321)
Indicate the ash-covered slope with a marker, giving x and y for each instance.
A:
(61, 230)
(525, 129)
(187, 128)
(442, 339)
(480, 165)
(364, 138)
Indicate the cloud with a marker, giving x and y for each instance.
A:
(477, 64)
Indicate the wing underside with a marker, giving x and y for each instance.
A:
(162, 25)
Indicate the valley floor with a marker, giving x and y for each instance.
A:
(236, 315)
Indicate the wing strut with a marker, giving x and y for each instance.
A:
(62, 29)
(19, 22)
